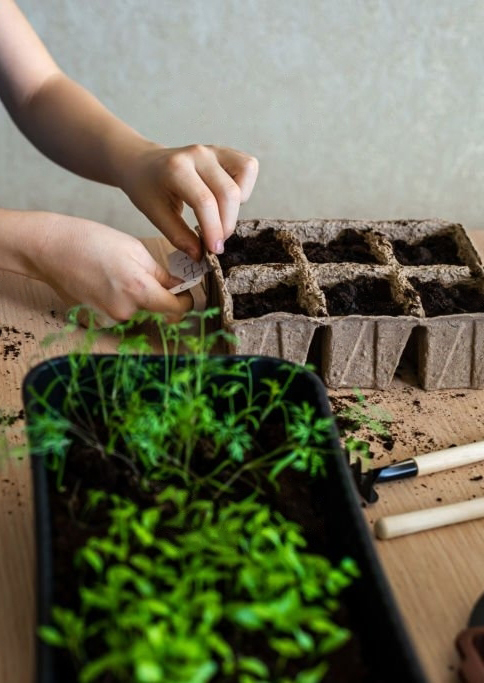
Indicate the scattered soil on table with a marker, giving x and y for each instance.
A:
(7, 419)
(86, 470)
(440, 300)
(262, 248)
(362, 296)
(11, 340)
(430, 251)
(349, 247)
(352, 426)
(255, 304)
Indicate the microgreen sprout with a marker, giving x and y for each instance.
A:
(162, 590)
(361, 414)
(178, 590)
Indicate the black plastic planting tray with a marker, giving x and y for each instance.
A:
(374, 616)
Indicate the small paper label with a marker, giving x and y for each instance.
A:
(182, 266)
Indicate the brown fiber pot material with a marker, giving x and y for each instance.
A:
(360, 347)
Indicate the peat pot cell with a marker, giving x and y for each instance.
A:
(261, 248)
(440, 300)
(362, 296)
(282, 298)
(349, 247)
(431, 251)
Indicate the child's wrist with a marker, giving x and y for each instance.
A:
(126, 157)
(23, 239)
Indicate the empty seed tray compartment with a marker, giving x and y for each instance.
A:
(351, 294)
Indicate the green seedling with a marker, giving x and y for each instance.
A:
(179, 591)
(166, 584)
(159, 438)
(362, 414)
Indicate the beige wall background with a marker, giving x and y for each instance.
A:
(355, 108)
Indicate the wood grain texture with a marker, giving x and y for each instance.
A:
(436, 575)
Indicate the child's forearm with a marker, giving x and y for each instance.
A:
(61, 118)
(23, 236)
(70, 126)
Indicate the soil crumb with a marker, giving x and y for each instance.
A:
(253, 305)
(262, 248)
(362, 296)
(350, 246)
(439, 300)
(430, 251)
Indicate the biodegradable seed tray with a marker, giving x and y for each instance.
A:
(352, 294)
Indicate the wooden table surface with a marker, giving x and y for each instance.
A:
(436, 575)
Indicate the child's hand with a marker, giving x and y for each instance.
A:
(213, 181)
(90, 263)
(109, 271)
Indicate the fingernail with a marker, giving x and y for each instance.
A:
(219, 247)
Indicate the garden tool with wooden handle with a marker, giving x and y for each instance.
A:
(437, 461)
(429, 518)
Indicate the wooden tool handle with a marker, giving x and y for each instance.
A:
(450, 457)
(420, 520)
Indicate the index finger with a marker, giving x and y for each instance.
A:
(192, 190)
(241, 167)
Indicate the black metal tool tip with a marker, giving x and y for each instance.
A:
(364, 481)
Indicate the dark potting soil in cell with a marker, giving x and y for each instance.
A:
(254, 304)
(362, 296)
(262, 248)
(430, 251)
(350, 246)
(440, 300)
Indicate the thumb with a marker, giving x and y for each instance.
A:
(166, 279)
(160, 300)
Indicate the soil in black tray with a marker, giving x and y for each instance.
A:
(440, 300)
(362, 296)
(430, 251)
(350, 246)
(294, 498)
(262, 248)
(254, 304)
